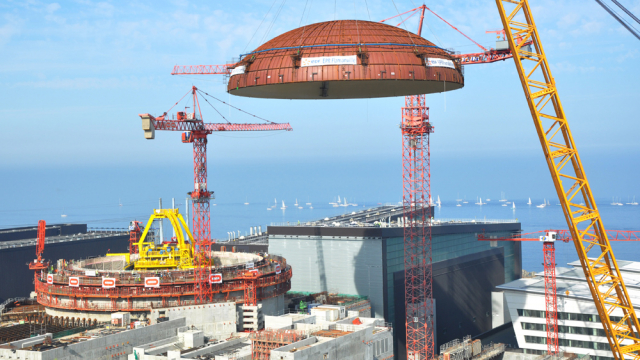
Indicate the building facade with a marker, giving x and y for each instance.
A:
(340, 256)
(579, 327)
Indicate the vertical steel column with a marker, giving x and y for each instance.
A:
(550, 296)
(250, 291)
(201, 219)
(416, 185)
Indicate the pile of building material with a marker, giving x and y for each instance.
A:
(468, 349)
(262, 342)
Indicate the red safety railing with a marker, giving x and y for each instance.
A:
(77, 297)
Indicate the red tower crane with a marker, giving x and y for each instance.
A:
(135, 231)
(548, 239)
(416, 192)
(195, 131)
(39, 263)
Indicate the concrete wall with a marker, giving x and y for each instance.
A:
(287, 321)
(115, 346)
(341, 264)
(360, 344)
(499, 309)
(217, 321)
(273, 306)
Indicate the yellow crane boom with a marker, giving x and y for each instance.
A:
(594, 250)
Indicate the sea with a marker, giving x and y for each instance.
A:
(110, 197)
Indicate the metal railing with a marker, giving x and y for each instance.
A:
(473, 221)
(435, 222)
(48, 294)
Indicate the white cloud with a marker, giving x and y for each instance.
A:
(11, 27)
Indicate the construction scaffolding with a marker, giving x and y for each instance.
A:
(262, 342)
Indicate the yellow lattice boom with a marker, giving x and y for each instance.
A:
(596, 256)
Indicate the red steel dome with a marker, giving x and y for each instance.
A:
(345, 59)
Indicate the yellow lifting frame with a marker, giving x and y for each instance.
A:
(154, 256)
(596, 256)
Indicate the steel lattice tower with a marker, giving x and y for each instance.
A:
(201, 218)
(416, 183)
(550, 298)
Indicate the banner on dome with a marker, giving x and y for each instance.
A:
(329, 60)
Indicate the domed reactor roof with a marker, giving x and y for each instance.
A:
(345, 59)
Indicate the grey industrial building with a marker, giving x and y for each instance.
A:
(349, 255)
(63, 241)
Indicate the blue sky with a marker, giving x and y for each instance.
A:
(74, 75)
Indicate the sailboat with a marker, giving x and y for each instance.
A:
(502, 198)
(633, 202)
(529, 203)
(458, 204)
(283, 205)
(308, 203)
(119, 202)
(514, 206)
(345, 204)
(275, 203)
(480, 202)
(438, 202)
(296, 204)
(465, 200)
(458, 199)
(246, 202)
(431, 201)
(543, 204)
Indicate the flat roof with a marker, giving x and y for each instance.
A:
(573, 281)
(89, 235)
(362, 224)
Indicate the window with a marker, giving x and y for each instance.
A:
(566, 316)
(570, 343)
(562, 329)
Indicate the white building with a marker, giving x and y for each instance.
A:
(579, 327)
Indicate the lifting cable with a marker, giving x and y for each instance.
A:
(214, 108)
(248, 113)
(367, 5)
(166, 112)
(258, 28)
(275, 18)
(302, 18)
(405, 25)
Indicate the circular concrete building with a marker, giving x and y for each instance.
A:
(345, 59)
(93, 289)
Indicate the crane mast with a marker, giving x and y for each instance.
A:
(581, 213)
(195, 131)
